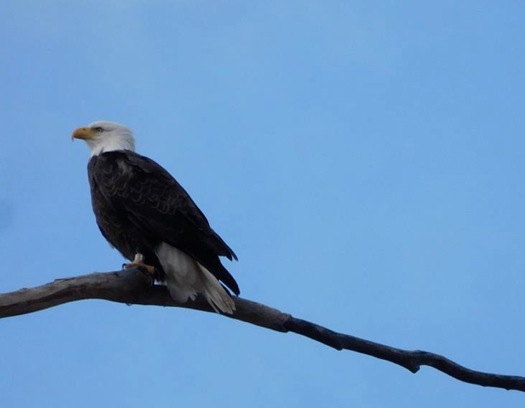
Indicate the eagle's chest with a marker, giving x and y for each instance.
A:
(117, 225)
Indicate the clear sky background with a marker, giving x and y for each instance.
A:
(364, 159)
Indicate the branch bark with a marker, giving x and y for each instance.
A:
(132, 286)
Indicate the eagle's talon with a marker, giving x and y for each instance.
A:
(138, 263)
(142, 266)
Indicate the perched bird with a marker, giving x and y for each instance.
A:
(145, 213)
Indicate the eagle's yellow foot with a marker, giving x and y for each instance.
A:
(138, 262)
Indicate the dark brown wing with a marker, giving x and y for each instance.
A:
(157, 205)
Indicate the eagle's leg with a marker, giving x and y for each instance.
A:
(139, 262)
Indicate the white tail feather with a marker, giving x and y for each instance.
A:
(185, 278)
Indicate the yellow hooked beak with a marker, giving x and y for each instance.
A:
(83, 133)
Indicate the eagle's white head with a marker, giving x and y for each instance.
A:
(105, 136)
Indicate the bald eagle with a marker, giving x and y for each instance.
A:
(146, 215)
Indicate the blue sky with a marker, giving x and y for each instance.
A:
(365, 160)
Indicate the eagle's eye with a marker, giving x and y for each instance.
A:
(98, 129)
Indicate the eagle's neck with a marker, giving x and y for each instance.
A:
(121, 141)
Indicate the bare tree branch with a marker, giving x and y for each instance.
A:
(132, 286)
